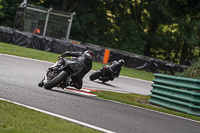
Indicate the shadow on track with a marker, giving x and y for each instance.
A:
(105, 84)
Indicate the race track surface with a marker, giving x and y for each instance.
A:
(18, 82)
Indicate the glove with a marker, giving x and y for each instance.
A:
(60, 57)
(67, 52)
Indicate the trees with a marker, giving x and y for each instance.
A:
(186, 27)
(181, 8)
(64, 5)
(1, 12)
(166, 29)
(9, 11)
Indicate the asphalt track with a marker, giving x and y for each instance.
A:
(18, 82)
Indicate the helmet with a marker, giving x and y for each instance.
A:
(90, 53)
(121, 62)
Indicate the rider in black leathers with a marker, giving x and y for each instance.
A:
(113, 70)
(83, 64)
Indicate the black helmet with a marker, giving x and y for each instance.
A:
(121, 62)
(89, 52)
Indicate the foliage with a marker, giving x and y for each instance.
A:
(130, 40)
(182, 8)
(1, 11)
(192, 72)
(9, 11)
(164, 29)
(136, 27)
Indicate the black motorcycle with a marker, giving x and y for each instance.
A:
(102, 74)
(59, 77)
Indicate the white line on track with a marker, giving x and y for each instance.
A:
(136, 79)
(26, 58)
(60, 116)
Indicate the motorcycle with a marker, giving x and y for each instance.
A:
(102, 74)
(59, 77)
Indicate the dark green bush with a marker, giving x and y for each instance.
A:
(192, 72)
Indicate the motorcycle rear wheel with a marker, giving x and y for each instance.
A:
(55, 81)
(95, 75)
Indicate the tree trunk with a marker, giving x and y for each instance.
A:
(67, 8)
(64, 5)
(177, 51)
(132, 11)
(136, 10)
(184, 53)
(152, 31)
(74, 5)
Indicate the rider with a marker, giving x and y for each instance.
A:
(113, 70)
(83, 64)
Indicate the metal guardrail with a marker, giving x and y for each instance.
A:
(43, 21)
(177, 93)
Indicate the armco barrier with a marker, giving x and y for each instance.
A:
(177, 93)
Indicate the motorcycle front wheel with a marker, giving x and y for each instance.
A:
(55, 81)
(95, 75)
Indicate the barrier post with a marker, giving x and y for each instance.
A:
(106, 56)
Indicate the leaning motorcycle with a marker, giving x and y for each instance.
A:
(100, 74)
(59, 77)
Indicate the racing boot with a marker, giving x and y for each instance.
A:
(64, 84)
(105, 79)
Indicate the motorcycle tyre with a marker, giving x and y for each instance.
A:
(95, 75)
(55, 81)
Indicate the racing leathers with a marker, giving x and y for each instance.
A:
(83, 64)
(112, 71)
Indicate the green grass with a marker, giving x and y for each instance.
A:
(140, 101)
(13, 117)
(18, 119)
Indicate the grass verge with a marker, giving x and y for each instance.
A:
(140, 101)
(18, 119)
